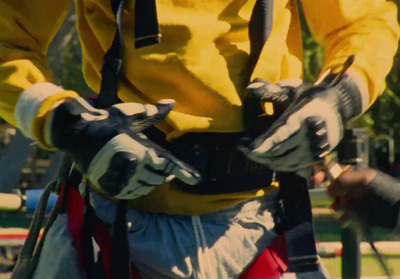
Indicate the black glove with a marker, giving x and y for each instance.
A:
(108, 146)
(379, 205)
(309, 128)
(265, 102)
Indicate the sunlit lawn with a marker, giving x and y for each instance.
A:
(369, 266)
(328, 230)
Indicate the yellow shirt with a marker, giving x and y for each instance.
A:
(199, 63)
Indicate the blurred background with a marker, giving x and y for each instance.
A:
(24, 166)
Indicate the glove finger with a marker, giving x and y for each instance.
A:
(166, 162)
(137, 190)
(150, 177)
(140, 189)
(154, 114)
(144, 181)
(264, 90)
(294, 161)
(185, 175)
(155, 163)
(290, 82)
(142, 116)
(318, 137)
(257, 84)
(284, 133)
(164, 106)
(287, 146)
(253, 156)
(312, 138)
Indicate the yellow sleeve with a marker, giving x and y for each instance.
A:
(26, 30)
(366, 28)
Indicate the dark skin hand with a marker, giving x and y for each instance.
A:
(347, 189)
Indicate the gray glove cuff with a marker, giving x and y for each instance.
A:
(350, 102)
(382, 199)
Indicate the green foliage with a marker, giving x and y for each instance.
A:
(313, 54)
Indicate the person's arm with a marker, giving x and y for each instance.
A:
(26, 91)
(313, 125)
(368, 195)
(106, 145)
(366, 28)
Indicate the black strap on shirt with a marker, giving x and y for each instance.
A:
(260, 27)
(147, 33)
(112, 62)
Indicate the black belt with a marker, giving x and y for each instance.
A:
(222, 167)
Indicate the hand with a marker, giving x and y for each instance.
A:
(309, 128)
(350, 184)
(367, 196)
(265, 102)
(108, 146)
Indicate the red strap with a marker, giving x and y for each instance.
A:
(134, 273)
(271, 263)
(104, 240)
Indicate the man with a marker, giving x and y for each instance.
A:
(217, 228)
(366, 195)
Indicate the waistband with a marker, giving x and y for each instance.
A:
(106, 208)
(249, 207)
(223, 168)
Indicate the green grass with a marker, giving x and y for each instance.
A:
(369, 266)
(327, 229)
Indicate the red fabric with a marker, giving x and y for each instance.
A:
(134, 273)
(104, 240)
(271, 263)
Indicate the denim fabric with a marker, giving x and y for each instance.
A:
(58, 259)
(215, 245)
